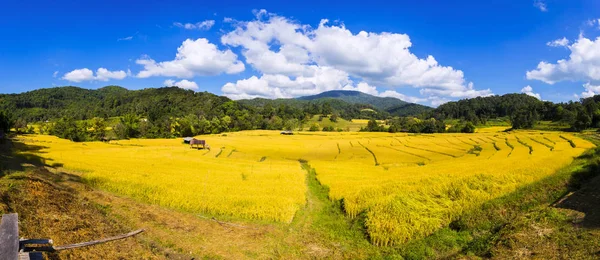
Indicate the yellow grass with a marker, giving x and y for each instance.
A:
(407, 185)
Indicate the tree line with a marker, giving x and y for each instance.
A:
(523, 111)
(115, 112)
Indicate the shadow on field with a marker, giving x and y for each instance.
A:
(15, 155)
(585, 191)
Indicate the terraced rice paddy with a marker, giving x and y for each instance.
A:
(407, 185)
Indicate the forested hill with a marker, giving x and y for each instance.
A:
(391, 105)
(522, 109)
(79, 103)
(480, 109)
(154, 103)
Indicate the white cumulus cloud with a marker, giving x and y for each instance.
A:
(204, 25)
(185, 84)
(529, 91)
(583, 64)
(302, 56)
(103, 74)
(194, 57)
(85, 74)
(559, 42)
(590, 90)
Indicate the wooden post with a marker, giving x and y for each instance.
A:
(9, 237)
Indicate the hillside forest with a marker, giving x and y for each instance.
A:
(114, 112)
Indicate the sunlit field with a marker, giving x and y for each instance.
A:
(407, 186)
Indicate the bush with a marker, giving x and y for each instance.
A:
(328, 129)
(333, 118)
(314, 127)
(68, 128)
(468, 128)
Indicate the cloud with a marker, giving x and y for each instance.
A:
(590, 90)
(86, 74)
(529, 91)
(583, 64)
(436, 101)
(185, 84)
(325, 79)
(204, 25)
(128, 38)
(318, 80)
(394, 94)
(79, 75)
(278, 47)
(103, 74)
(540, 4)
(199, 57)
(559, 42)
(55, 74)
(594, 22)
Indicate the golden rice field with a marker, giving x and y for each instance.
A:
(407, 185)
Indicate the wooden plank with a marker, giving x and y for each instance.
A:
(9, 237)
(90, 243)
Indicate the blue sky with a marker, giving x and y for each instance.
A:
(268, 49)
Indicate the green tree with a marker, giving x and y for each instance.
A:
(98, 128)
(333, 118)
(69, 128)
(523, 118)
(314, 127)
(468, 128)
(291, 124)
(20, 125)
(582, 121)
(130, 125)
(5, 122)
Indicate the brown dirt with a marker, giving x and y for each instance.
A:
(50, 210)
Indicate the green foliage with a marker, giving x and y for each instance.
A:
(524, 111)
(333, 118)
(69, 128)
(413, 125)
(373, 126)
(523, 118)
(5, 122)
(328, 129)
(20, 126)
(462, 127)
(98, 128)
(389, 105)
(314, 127)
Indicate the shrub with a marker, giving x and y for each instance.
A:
(314, 127)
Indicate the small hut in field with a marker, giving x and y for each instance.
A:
(187, 140)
